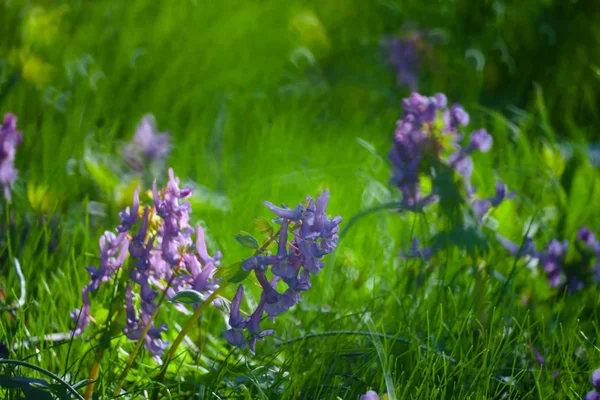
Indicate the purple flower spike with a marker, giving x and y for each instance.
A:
(9, 139)
(162, 251)
(370, 395)
(299, 254)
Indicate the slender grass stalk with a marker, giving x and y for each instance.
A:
(138, 344)
(197, 314)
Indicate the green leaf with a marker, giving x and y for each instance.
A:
(188, 296)
(104, 177)
(232, 273)
(247, 240)
(33, 388)
(469, 239)
(263, 226)
(239, 276)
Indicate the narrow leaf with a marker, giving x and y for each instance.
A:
(247, 240)
(188, 296)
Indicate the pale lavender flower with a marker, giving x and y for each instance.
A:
(148, 145)
(370, 395)
(9, 139)
(592, 395)
(595, 378)
(403, 56)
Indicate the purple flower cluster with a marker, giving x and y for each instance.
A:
(9, 139)
(147, 146)
(427, 130)
(162, 260)
(595, 379)
(553, 258)
(313, 236)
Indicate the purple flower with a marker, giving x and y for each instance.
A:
(370, 395)
(9, 139)
(538, 357)
(586, 236)
(458, 116)
(592, 395)
(426, 134)
(416, 251)
(480, 140)
(147, 145)
(481, 206)
(553, 260)
(299, 255)
(595, 378)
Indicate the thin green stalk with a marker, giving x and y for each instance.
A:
(197, 314)
(138, 344)
(184, 331)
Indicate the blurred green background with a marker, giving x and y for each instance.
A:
(273, 100)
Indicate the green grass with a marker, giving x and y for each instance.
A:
(250, 125)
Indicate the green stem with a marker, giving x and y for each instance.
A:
(197, 314)
(45, 372)
(138, 344)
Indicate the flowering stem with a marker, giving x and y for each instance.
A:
(138, 344)
(186, 328)
(197, 314)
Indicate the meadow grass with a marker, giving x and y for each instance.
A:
(250, 124)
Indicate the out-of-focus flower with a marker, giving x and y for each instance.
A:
(481, 206)
(9, 139)
(404, 54)
(573, 276)
(314, 237)
(370, 395)
(595, 378)
(164, 259)
(429, 133)
(592, 395)
(417, 252)
(148, 146)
